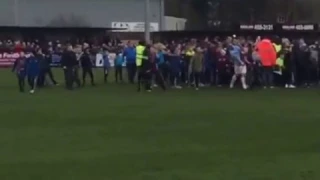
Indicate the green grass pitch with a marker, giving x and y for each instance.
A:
(111, 132)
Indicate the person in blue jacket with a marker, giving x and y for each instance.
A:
(118, 62)
(32, 70)
(175, 66)
(130, 57)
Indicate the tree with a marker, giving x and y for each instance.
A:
(228, 10)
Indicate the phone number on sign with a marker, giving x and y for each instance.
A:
(265, 27)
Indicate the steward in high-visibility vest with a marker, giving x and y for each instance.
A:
(279, 61)
(190, 52)
(279, 65)
(144, 66)
(278, 48)
(140, 54)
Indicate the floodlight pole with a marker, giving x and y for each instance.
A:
(16, 12)
(147, 21)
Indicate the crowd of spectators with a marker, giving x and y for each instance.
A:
(298, 63)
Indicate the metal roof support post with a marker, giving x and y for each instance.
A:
(147, 21)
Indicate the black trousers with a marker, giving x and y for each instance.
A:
(144, 77)
(174, 77)
(254, 76)
(223, 77)
(42, 77)
(118, 74)
(131, 71)
(159, 79)
(21, 82)
(165, 71)
(85, 72)
(71, 77)
(210, 74)
(196, 76)
(32, 81)
(306, 75)
(105, 74)
(268, 76)
(185, 71)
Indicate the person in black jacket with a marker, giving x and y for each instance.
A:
(45, 69)
(70, 66)
(86, 65)
(42, 65)
(289, 67)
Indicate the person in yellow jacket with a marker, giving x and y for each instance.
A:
(278, 48)
(140, 54)
(188, 54)
(144, 66)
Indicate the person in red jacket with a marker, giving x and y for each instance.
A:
(268, 57)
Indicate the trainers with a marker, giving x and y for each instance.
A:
(291, 86)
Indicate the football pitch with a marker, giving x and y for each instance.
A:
(111, 132)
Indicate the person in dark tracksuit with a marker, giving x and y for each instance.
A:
(118, 62)
(32, 70)
(70, 66)
(42, 66)
(19, 68)
(106, 65)
(86, 65)
(47, 67)
(256, 79)
(289, 68)
(175, 68)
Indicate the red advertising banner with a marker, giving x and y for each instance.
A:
(7, 59)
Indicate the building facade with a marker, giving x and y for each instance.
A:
(76, 13)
